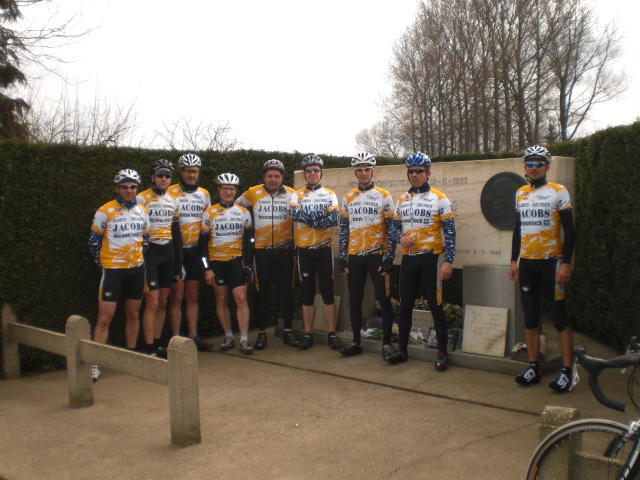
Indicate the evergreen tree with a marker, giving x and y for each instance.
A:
(12, 110)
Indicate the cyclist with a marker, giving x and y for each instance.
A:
(545, 262)
(226, 226)
(193, 201)
(119, 235)
(269, 203)
(314, 210)
(164, 257)
(423, 213)
(366, 215)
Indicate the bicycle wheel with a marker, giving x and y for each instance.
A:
(585, 450)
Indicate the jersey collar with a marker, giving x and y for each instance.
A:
(540, 183)
(365, 188)
(128, 205)
(424, 188)
(280, 190)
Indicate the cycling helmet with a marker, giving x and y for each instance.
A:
(418, 159)
(273, 164)
(189, 160)
(162, 165)
(537, 152)
(312, 159)
(363, 159)
(228, 179)
(126, 175)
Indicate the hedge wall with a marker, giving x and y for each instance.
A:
(604, 298)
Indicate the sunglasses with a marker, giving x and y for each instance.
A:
(535, 164)
(311, 170)
(416, 170)
(364, 170)
(191, 172)
(163, 175)
(128, 187)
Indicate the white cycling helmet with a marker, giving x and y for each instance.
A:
(189, 160)
(126, 175)
(312, 159)
(228, 179)
(363, 159)
(273, 164)
(537, 151)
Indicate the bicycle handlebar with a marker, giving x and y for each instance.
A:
(595, 366)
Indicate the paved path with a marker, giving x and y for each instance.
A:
(288, 414)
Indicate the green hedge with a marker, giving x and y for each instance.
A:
(603, 299)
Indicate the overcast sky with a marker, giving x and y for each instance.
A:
(286, 74)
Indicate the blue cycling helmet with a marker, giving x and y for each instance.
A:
(418, 159)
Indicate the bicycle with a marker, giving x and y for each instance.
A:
(594, 448)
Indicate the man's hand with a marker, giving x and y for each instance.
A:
(406, 241)
(446, 270)
(209, 278)
(248, 274)
(563, 275)
(513, 271)
(386, 267)
(343, 266)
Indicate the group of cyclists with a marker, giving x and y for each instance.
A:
(162, 242)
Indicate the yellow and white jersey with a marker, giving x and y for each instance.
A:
(318, 205)
(367, 212)
(163, 210)
(226, 226)
(271, 217)
(121, 229)
(421, 215)
(539, 210)
(191, 207)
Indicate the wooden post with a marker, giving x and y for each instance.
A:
(184, 401)
(78, 372)
(10, 356)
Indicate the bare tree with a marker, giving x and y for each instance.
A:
(380, 140)
(580, 60)
(44, 35)
(185, 134)
(482, 75)
(71, 121)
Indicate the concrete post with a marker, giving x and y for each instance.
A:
(184, 401)
(557, 465)
(78, 372)
(10, 357)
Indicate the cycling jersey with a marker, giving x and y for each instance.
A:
(163, 210)
(191, 206)
(364, 217)
(118, 234)
(539, 212)
(271, 217)
(226, 227)
(423, 212)
(317, 214)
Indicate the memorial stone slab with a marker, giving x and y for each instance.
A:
(485, 330)
(483, 237)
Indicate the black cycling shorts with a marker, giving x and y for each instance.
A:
(118, 280)
(160, 263)
(312, 261)
(228, 273)
(192, 264)
(538, 279)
